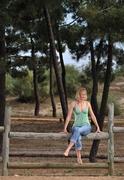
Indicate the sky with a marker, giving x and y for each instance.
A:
(68, 59)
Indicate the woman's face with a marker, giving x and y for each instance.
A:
(83, 95)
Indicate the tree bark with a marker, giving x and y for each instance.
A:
(55, 63)
(95, 81)
(101, 116)
(35, 83)
(62, 64)
(2, 79)
(51, 86)
(95, 73)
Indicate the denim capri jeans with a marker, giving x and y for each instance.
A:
(77, 133)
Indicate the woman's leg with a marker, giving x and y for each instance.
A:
(84, 130)
(78, 147)
(76, 137)
(73, 139)
(68, 148)
(78, 153)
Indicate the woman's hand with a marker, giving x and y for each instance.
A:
(98, 130)
(65, 131)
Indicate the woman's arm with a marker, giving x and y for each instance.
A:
(93, 117)
(69, 115)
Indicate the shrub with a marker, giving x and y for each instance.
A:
(9, 85)
(112, 99)
(23, 87)
(72, 80)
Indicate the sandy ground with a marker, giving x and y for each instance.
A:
(61, 178)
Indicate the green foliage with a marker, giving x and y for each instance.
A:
(111, 99)
(114, 100)
(95, 19)
(72, 80)
(23, 88)
(43, 85)
(120, 71)
(9, 85)
(74, 40)
(19, 73)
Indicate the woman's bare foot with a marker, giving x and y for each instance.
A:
(66, 153)
(79, 161)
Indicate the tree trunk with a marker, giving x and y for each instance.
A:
(100, 49)
(101, 116)
(35, 83)
(36, 94)
(62, 65)
(55, 63)
(2, 79)
(95, 73)
(95, 81)
(51, 86)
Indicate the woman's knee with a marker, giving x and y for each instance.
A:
(76, 129)
(78, 146)
(87, 131)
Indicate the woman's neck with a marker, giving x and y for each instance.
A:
(81, 101)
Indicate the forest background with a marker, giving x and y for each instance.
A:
(95, 36)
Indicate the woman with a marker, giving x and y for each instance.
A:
(81, 127)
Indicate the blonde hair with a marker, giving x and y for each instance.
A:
(79, 90)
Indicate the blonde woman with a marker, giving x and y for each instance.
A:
(81, 126)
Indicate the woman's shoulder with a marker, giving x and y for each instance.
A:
(87, 103)
(72, 104)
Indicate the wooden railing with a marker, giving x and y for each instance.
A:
(7, 135)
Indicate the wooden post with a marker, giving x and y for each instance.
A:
(111, 139)
(5, 150)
